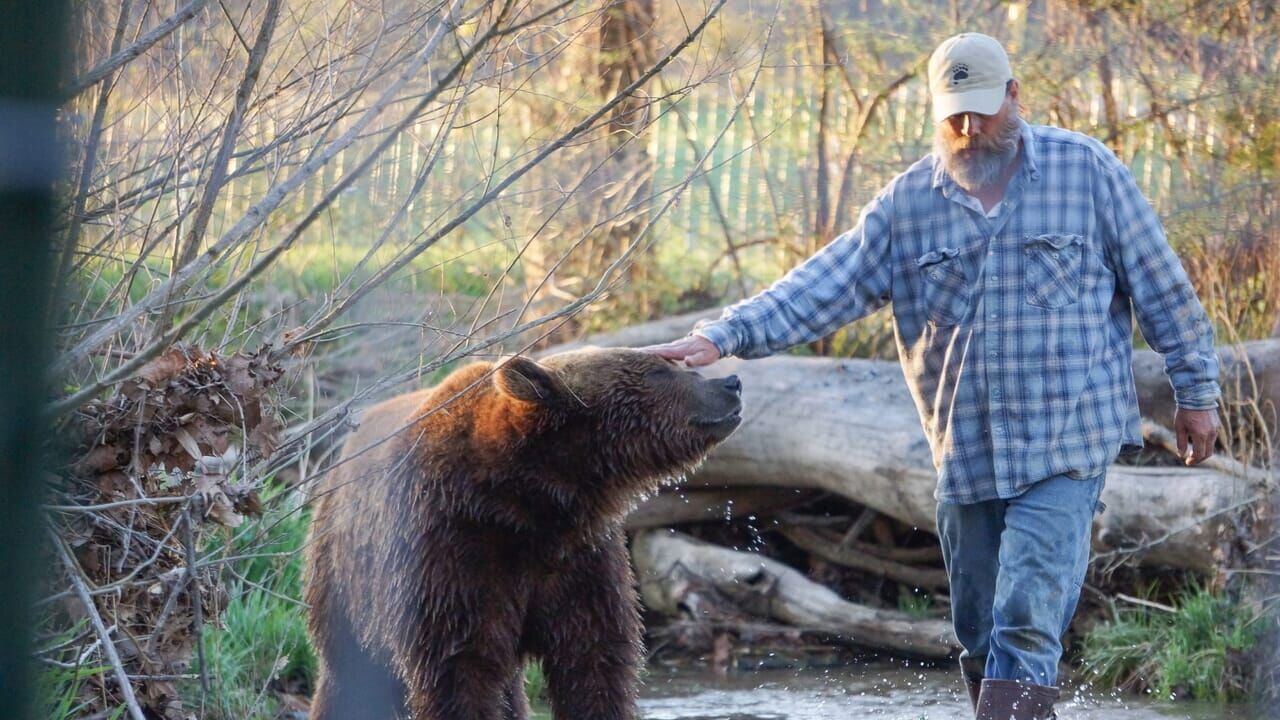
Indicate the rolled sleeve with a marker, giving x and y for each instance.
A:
(1169, 314)
(847, 279)
(719, 333)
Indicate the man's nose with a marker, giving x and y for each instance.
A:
(970, 125)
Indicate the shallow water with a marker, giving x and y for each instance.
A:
(874, 690)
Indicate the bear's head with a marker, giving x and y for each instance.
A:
(623, 415)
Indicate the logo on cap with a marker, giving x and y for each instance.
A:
(959, 72)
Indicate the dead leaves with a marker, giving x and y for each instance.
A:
(183, 428)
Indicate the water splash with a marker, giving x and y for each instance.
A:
(893, 691)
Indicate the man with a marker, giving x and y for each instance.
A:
(1012, 255)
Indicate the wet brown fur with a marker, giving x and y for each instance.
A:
(487, 531)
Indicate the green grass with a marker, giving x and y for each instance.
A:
(58, 692)
(535, 685)
(58, 689)
(1194, 652)
(917, 607)
(262, 640)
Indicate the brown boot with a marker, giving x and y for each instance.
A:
(1014, 700)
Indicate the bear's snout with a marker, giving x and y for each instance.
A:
(733, 384)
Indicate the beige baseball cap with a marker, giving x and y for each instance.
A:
(968, 73)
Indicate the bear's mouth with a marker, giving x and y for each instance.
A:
(733, 416)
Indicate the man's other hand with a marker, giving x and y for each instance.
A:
(1200, 427)
(694, 350)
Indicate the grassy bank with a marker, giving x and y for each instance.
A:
(1197, 648)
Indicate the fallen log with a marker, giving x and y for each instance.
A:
(1248, 370)
(816, 543)
(672, 567)
(849, 426)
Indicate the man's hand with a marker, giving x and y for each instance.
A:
(1200, 427)
(694, 350)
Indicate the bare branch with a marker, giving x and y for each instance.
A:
(218, 173)
(258, 213)
(139, 46)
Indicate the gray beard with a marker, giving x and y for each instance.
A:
(979, 168)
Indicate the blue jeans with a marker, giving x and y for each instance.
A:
(1016, 567)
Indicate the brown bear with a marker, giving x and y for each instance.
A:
(470, 527)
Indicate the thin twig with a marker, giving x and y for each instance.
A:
(1146, 603)
(193, 591)
(167, 500)
(108, 647)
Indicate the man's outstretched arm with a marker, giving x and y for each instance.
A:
(847, 279)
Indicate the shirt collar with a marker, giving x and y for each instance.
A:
(1029, 150)
(940, 176)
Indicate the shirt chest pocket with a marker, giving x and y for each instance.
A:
(1051, 269)
(945, 287)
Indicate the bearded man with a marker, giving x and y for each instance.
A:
(1014, 256)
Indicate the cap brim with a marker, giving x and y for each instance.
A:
(985, 101)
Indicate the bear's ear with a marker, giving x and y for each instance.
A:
(524, 379)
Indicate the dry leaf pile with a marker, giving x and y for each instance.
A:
(161, 457)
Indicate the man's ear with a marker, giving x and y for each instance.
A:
(524, 379)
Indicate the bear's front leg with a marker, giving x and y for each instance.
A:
(588, 634)
(460, 662)
(467, 685)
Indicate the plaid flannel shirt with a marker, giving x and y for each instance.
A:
(1015, 331)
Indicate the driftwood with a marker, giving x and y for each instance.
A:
(858, 556)
(849, 427)
(674, 569)
(1250, 370)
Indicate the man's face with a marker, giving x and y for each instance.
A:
(975, 148)
(965, 132)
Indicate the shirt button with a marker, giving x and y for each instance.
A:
(995, 278)
(991, 252)
(993, 316)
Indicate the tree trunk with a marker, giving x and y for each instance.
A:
(626, 49)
